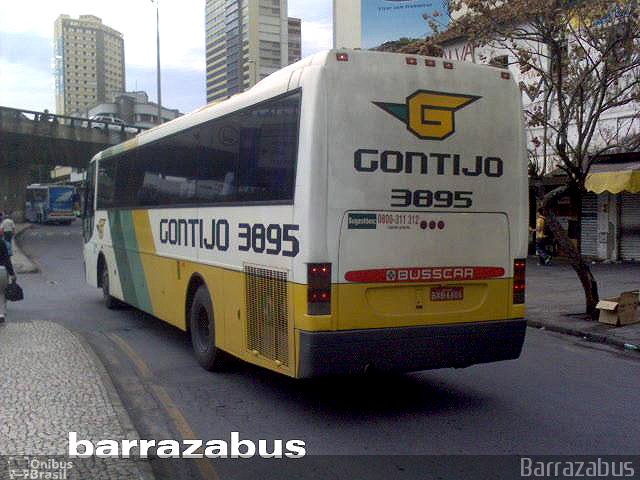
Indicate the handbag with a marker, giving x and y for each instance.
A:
(14, 292)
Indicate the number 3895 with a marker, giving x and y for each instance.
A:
(431, 199)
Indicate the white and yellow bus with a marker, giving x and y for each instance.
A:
(354, 210)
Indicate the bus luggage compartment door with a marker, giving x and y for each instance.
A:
(422, 268)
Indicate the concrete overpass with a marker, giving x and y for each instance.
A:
(32, 143)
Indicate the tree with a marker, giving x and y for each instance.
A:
(580, 62)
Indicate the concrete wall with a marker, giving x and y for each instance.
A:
(608, 226)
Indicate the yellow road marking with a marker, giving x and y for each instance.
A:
(141, 366)
(204, 465)
(182, 425)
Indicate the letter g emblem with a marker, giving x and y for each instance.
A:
(427, 114)
(432, 114)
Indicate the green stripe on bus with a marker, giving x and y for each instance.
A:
(115, 225)
(136, 269)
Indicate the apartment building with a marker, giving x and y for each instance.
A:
(88, 63)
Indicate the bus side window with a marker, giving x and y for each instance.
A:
(268, 150)
(107, 183)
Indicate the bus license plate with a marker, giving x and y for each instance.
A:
(447, 294)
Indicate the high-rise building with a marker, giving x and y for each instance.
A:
(295, 40)
(246, 40)
(89, 63)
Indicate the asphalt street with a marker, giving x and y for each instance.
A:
(563, 396)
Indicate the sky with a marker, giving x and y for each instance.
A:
(26, 46)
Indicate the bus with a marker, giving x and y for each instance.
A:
(50, 203)
(355, 211)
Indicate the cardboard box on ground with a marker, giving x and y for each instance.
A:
(621, 310)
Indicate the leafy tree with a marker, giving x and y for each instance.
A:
(580, 62)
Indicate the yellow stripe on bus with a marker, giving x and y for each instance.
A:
(385, 305)
(161, 273)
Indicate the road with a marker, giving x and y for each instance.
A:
(563, 396)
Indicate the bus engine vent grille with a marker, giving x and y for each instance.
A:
(267, 313)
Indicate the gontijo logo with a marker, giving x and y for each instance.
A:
(429, 115)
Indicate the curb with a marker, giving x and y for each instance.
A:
(123, 417)
(588, 336)
(31, 266)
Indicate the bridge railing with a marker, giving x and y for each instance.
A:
(76, 122)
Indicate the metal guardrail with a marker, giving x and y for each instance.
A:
(75, 122)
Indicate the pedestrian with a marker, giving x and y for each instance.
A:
(542, 240)
(8, 229)
(7, 274)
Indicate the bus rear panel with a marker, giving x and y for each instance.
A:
(426, 215)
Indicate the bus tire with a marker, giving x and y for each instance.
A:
(109, 301)
(203, 332)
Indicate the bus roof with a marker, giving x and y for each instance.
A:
(275, 84)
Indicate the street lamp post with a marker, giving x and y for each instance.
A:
(158, 59)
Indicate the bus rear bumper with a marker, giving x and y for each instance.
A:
(407, 349)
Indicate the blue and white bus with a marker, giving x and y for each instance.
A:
(50, 203)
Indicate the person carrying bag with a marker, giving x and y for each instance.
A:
(8, 229)
(7, 280)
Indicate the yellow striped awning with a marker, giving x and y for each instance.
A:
(614, 178)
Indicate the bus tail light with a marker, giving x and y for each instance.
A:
(342, 57)
(319, 288)
(519, 280)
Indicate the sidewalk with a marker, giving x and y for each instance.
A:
(52, 384)
(555, 301)
(22, 263)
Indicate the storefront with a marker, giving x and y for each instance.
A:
(615, 194)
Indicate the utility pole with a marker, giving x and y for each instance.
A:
(158, 60)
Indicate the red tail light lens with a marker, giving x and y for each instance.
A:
(342, 57)
(412, 61)
(319, 288)
(519, 280)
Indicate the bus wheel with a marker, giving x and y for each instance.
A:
(203, 332)
(109, 301)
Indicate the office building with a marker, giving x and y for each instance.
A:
(89, 63)
(246, 40)
(295, 40)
